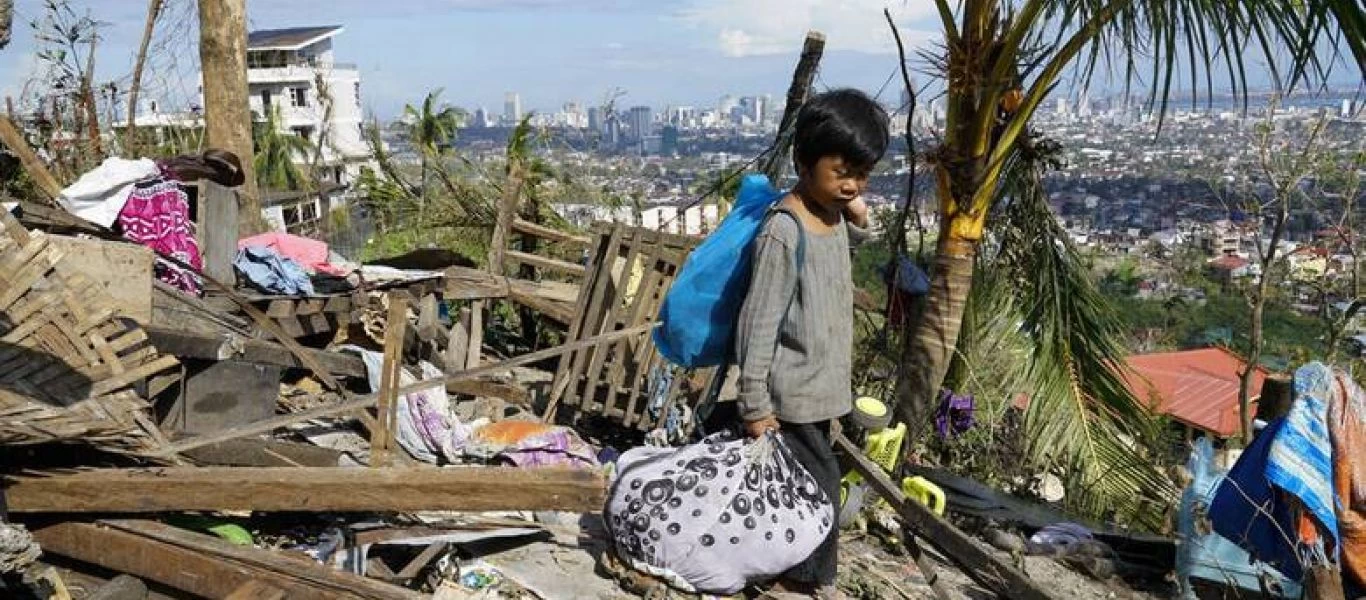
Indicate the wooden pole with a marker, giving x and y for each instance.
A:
(982, 567)
(382, 438)
(153, 10)
(10, 136)
(218, 217)
(802, 77)
(227, 116)
(507, 211)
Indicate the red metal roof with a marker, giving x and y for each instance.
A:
(1229, 262)
(1197, 387)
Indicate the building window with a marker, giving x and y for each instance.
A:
(298, 97)
(305, 132)
(265, 100)
(357, 94)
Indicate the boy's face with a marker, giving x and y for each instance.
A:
(833, 183)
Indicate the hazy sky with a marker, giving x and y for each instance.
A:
(681, 52)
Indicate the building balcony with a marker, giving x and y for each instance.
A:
(299, 72)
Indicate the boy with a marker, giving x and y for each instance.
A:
(795, 362)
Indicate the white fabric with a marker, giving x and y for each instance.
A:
(717, 515)
(99, 195)
(425, 428)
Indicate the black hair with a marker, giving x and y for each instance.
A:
(845, 123)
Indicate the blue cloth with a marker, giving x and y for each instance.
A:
(1301, 458)
(271, 273)
(700, 309)
(1247, 511)
(1292, 457)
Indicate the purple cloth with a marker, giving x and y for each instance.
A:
(955, 413)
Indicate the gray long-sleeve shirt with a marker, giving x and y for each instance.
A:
(796, 366)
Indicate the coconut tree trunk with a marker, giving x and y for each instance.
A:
(227, 116)
(928, 348)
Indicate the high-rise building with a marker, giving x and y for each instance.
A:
(641, 122)
(752, 109)
(1346, 108)
(595, 119)
(726, 107)
(481, 118)
(512, 107)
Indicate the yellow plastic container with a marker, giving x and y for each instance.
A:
(924, 492)
(884, 447)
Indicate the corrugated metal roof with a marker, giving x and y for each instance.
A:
(1196, 387)
(292, 38)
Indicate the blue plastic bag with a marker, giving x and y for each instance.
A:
(700, 309)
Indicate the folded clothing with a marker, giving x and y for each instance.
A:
(267, 271)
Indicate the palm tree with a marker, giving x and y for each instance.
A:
(431, 130)
(1000, 58)
(277, 154)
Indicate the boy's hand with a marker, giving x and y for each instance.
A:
(756, 429)
(856, 212)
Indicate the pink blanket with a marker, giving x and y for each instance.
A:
(310, 253)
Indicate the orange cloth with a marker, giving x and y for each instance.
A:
(1347, 430)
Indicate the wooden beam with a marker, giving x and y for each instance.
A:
(218, 219)
(191, 344)
(547, 233)
(227, 114)
(546, 263)
(507, 211)
(802, 77)
(973, 559)
(204, 565)
(15, 142)
(311, 489)
(382, 440)
(363, 402)
(464, 283)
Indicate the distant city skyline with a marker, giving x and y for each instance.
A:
(658, 53)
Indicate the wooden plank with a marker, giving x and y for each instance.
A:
(547, 233)
(257, 590)
(510, 392)
(615, 307)
(464, 283)
(507, 211)
(535, 296)
(546, 263)
(311, 489)
(637, 352)
(122, 270)
(203, 565)
(382, 437)
(217, 229)
(15, 142)
(363, 402)
(593, 314)
(975, 561)
(192, 344)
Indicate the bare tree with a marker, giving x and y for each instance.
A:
(1284, 169)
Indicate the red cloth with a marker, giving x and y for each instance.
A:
(157, 215)
(309, 253)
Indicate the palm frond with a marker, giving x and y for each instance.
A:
(1082, 418)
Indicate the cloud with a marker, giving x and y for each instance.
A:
(763, 27)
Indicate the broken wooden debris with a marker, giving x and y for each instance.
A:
(364, 402)
(69, 364)
(310, 489)
(204, 565)
(227, 346)
(552, 299)
(975, 561)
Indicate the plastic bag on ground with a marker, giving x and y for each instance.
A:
(716, 515)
